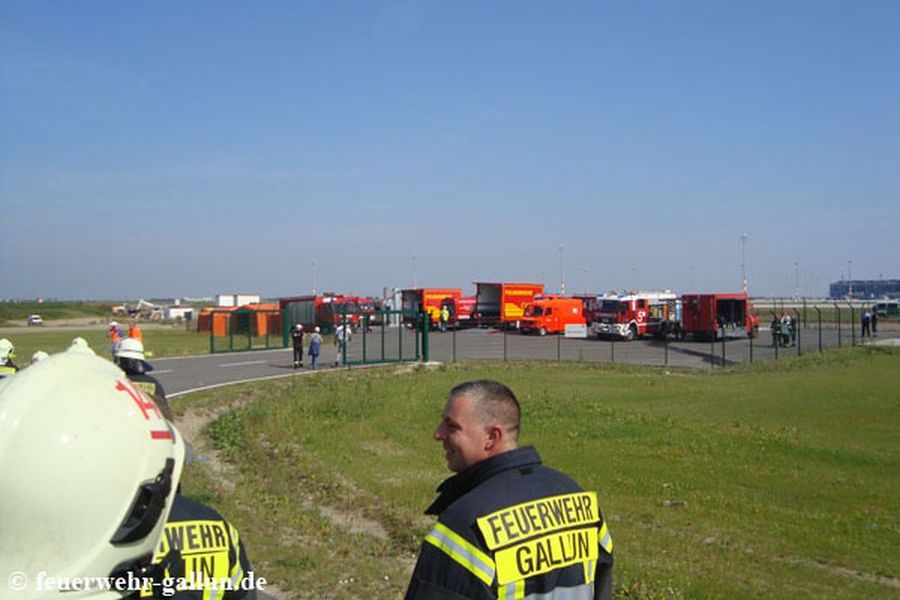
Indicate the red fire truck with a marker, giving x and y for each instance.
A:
(632, 315)
(551, 314)
(711, 316)
(325, 311)
(503, 304)
(427, 300)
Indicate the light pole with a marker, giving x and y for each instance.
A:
(744, 261)
(850, 279)
(314, 277)
(414, 271)
(797, 277)
(562, 273)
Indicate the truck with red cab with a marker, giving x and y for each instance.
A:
(460, 311)
(551, 314)
(634, 314)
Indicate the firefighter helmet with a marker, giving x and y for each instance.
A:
(38, 356)
(90, 469)
(7, 351)
(130, 356)
(80, 344)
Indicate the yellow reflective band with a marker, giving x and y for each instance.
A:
(546, 553)
(590, 568)
(538, 517)
(464, 553)
(512, 591)
(147, 386)
(606, 539)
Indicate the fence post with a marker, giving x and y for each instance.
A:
(712, 351)
(454, 345)
(612, 349)
(365, 325)
(819, 313)
(343, 346)
(775, 339)
(426, 326)
(805, 324)
(723, 346)
(799, 342)
(837, 310)
(504, 344)
(751, 345)
(666, 349)
(852, 324)
(559, 347)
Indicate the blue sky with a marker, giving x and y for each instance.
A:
(154, 149)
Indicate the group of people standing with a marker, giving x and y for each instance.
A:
(784, 330)
(869, 323)
(342, 336)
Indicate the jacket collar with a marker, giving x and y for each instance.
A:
(460, 484)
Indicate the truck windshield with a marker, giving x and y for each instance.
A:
(533, 311)
(611, 306)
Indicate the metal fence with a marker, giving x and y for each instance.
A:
(380, 338)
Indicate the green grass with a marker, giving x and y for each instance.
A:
(170, 341)
(771, 480)
(53, 310)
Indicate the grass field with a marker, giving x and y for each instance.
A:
(771, 480)
(10, 311)
(169, 341)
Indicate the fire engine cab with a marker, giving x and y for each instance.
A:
(629, 316)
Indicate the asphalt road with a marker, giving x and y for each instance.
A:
(185, 374)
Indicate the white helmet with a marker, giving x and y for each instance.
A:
(7, 351)
(38, 356)
(130, 348)
(298, 327)
(88, 473)
(80, 344)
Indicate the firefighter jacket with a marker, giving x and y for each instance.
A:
(200, 547)
(153, 388)
(297, 338)
(510, 528)
(8, 369)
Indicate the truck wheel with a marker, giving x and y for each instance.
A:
(542, 331)
(630, 334)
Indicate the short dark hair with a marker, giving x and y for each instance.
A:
(494, 402)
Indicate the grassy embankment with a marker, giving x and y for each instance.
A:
(774, 480)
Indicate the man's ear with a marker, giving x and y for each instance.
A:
(494, 437)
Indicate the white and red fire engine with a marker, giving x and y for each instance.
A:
(634, 314)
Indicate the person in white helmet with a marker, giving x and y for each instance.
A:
(7, 354)
(38, 356)
(130, 358)
(315, 347)
(89, 473)
(297, 339)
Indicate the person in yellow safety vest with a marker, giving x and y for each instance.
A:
(445, 317)
(507, 527)
(7, 354)
(73, 416)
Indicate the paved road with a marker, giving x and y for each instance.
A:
(180, 375)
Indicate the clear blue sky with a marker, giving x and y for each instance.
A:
(187, 148)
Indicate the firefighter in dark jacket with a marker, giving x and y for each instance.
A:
(297, 338)
(96, 470)
(130, 358)
(507, 526)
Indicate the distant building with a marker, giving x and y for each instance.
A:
(234, 300)
(865, 289)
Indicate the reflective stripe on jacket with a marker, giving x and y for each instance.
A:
(510, 528)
